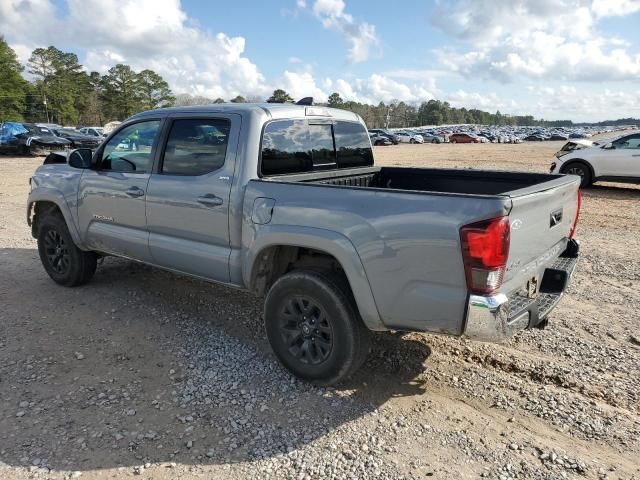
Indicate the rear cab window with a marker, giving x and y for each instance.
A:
(307, 145)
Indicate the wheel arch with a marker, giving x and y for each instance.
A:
(584, 162)
(280, 249)
(42, 202)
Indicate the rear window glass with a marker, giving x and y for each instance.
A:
(295, 146)
(353, 146)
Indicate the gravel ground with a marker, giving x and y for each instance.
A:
(149, 374)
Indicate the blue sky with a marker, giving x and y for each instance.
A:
(577, 59)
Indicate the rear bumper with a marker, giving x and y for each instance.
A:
(497, 317)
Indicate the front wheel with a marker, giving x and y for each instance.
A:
(314, 327)
(412, 141)
(581, 170)
(65, 263)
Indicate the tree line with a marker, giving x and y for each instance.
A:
(61, 91)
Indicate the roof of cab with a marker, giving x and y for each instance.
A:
(273, 110)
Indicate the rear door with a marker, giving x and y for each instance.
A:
(541, 219)
(111, 199)
(188, 196)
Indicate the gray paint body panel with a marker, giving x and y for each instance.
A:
(399, 249)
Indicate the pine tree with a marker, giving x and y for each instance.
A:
(13, 87)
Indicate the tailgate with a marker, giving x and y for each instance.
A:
(542, 217)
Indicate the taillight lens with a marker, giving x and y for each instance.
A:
(575, 220)
(485, 250)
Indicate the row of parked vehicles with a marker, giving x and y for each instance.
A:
(39, 138)
(484, 134)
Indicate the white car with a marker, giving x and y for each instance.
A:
(613, 161)
(406, 137)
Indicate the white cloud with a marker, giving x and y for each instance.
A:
(154, 34)
(361, 36)
(550, 39)
(578, 104)
(606, 8)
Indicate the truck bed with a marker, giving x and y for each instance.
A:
(394, 216)
(451, 181)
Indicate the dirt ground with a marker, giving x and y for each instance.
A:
(149, 374)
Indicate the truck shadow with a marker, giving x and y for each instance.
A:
(143, 365)
(613, 191)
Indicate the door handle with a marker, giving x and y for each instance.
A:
(135, 192)
(210, 200)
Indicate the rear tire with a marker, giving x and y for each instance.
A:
(63, 261)
(580, 169)
(412, 140)
(314, 327)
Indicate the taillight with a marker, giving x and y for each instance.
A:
(485, 249)
(575, 220)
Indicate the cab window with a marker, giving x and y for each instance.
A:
(196, 146)
(131, 149)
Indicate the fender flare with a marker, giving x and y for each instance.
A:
(43, 194)
(333, 243)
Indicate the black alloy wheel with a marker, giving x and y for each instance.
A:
(305, 330)
(56, 252)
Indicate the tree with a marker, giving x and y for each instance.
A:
(154, 91)
(238, 99)
(219, 100)
(12, 86)
(335, 100)
(280, 96)
(120, 93)
(61, 82)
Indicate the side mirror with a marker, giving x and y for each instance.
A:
(81, 158)
(608, 146)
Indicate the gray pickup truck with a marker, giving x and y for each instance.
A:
(285, 201)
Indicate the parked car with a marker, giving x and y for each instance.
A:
(394, 138)
(291, 207)
(93, 131)
(408, 137)
(29, 139)
(533, 138)
(432, 138)
(77, 139)
(463, 138)
(617, 160)
(379, 140)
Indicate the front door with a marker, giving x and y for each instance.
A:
(623, 160)
(188, 196)
(111, 198)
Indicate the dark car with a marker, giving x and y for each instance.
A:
(378, 131)
(559, 136)
(463, 138)
(29, 139)
(533, 138)
(77, 139)
(378, 140)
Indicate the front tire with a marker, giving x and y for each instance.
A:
(580, 169)
(314, 327)
(412, 140)
(63, 261)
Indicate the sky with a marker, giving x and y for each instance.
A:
(554, 59)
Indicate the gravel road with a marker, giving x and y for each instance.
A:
(149, 374)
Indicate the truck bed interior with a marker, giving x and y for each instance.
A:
(470, 182)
